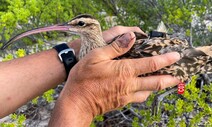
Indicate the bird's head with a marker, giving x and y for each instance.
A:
(83, 25)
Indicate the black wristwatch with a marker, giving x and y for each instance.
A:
(66, 56)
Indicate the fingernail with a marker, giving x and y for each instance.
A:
(124, 40)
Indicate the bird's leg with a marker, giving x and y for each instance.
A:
(158, 98)
(202, 80)
(190, 44)
(207, 78)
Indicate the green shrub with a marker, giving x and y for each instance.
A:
(18, 121)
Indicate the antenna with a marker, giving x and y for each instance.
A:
(162, 28)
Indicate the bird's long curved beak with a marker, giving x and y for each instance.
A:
(61, 27)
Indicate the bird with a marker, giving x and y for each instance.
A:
(194, 60)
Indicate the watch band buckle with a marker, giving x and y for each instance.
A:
(65, 51)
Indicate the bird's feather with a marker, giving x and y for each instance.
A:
(193, 60)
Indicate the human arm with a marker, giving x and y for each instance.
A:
(98, 84)
(25, 78)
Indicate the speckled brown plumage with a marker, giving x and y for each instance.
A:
(193, 60)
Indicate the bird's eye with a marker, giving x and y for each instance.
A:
(81, 23)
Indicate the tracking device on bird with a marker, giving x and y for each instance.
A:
(157, 34)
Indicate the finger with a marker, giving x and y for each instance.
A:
(118, 47)
(119, 30)
(154, 83)
(152, 64)
(139, 96)
(136, 29)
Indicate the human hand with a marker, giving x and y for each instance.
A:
(99, 84)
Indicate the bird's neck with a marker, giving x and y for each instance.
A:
(90, 42)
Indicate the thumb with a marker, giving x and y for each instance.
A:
(120, 46)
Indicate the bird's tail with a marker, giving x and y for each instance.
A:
(208, 51)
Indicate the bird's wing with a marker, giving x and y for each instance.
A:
(193, 60)
(156, 46)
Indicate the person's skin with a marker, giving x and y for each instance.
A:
(25, 78)
(98, 84)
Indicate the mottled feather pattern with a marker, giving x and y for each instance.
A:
(192, 61)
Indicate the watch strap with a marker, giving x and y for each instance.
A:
(66, 56)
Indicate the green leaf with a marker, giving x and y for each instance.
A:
(182, 123)
(8, 57)
(13, 116)
(99, 118)
(20, 53)
(135, 122)
(35, 100)
(179, 106)
(92, 124)
(48, 95)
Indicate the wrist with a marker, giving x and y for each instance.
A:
(66, 56)
(81, 98)
(71, 110)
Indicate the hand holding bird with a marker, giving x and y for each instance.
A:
(193, 60)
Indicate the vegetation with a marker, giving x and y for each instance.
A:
(190, 19)
(18, 121)
(188, 110)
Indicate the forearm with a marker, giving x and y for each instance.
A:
(25, 78)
